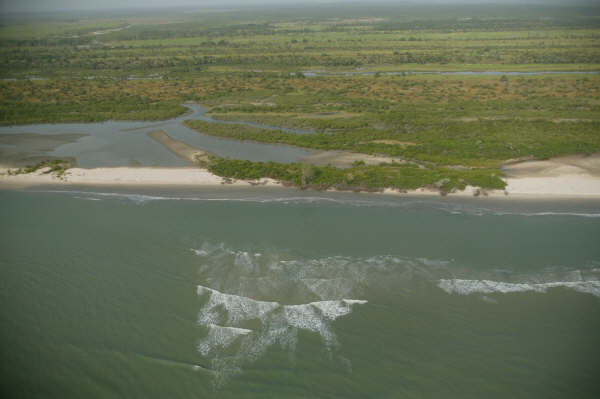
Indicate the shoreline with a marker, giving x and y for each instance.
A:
(538, 186)
(124, 176)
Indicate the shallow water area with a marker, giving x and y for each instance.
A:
(257, 292)
(126, 143)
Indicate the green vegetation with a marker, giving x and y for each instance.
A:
(359, 177)
(482, 144)
(293, 40)
(56, 166)
(259, 65)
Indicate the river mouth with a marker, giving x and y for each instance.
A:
(126, 143)
(130, 143)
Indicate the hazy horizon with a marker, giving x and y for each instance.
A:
(11, 6)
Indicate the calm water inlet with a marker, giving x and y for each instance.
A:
(123, 143)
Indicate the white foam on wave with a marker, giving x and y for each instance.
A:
(404, 203)
(244, 259)
(549, 213)
(304, 280)
(89, 195)
(87, 198)
(309, 316)
(238, 308)
(466, 287)
(329, 288)
(576, 214)
(479, 211)
(288, 200)
(334, 309)
(278, 324)
(307, 295)
(137, 198)
(220, 337)
(316, 317)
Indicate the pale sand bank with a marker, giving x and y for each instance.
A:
(580, 165)
(184, 151)
(568, 177)
(124, 176)
(575, 176)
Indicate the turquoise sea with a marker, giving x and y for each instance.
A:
(277, 293)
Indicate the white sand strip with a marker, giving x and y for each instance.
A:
(123, 176)
(569, 177)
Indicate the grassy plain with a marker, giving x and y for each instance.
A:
(255, 64)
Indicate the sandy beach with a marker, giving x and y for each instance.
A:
(123, 176)
(574, 175)
(568, 177)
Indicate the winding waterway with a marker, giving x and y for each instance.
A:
(126, 143)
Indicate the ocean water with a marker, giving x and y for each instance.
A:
(275, 293)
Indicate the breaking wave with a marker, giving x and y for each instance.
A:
(455, 207)
(255, 299)
(277, 323)
(466, 287)
(238, 307)
(220, 337)
(278, 276)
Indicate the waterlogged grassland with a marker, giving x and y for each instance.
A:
(415, 97)
(447, 156)
(476, 144)
(254, 65)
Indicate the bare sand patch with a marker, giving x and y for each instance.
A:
(567, 176)
(588, 165)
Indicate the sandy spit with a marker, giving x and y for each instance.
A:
(184, 151)
(124, 176)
